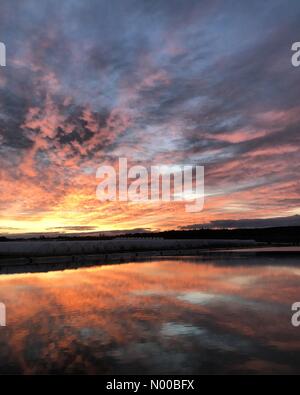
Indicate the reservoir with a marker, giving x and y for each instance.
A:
(229, 313)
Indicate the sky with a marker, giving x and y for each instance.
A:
(203, 82)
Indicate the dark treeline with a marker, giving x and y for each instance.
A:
(276, 235)
(290, 235)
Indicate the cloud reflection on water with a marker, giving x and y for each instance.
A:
(168, 316)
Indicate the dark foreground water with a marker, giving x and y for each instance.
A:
(187, 315)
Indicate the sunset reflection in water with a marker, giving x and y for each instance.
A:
(187, 315)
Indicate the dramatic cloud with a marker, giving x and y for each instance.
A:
(165, 81)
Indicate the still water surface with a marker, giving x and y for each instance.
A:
(188, 315)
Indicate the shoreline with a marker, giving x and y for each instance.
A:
(38, 248)
(22, 256)
(34, 264)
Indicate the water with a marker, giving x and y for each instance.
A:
(187, 315)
